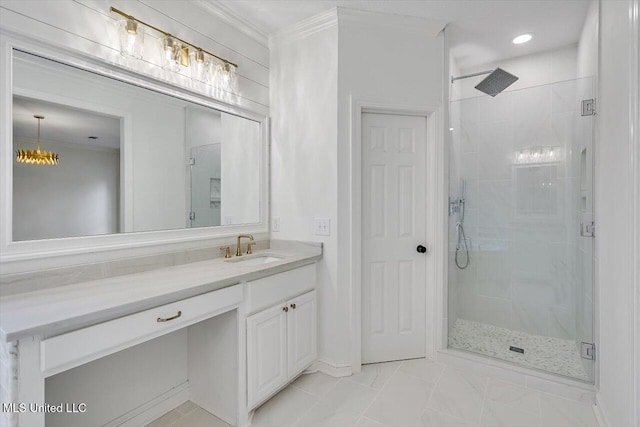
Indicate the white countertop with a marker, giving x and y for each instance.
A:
(57, 310)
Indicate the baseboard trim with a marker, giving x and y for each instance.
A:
(155, 408)
(600, 412)
(336, 370)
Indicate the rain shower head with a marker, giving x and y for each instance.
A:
(497, 81)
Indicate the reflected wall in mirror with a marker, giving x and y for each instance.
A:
(159, 162)
(80, 196)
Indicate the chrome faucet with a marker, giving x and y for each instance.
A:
(239, 248)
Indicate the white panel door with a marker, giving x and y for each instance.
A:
(266, 353)
(301, 331)
(393, 225)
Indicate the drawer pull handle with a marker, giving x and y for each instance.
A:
(293, 306)
(285, 309)
(166, 319)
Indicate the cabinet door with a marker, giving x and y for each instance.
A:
(266, 353)
(301, 332)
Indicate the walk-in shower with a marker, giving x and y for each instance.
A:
(520, 180)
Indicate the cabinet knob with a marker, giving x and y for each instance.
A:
(285, 309)
(293, 306)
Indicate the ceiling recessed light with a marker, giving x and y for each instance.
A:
(522, 38)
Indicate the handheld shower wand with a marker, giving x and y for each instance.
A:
(461, 238)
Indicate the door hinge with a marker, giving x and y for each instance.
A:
(192, 161)
(588, 350)
(588, 229)
(588, 107)
(192, 215)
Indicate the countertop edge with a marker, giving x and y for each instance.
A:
(90, 319)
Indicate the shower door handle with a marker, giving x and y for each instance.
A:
(421, 249)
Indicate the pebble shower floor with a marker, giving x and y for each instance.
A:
(549, 354)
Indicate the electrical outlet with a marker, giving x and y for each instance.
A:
(323, 227)
(275, 223)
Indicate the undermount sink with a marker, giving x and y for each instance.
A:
(258, 260)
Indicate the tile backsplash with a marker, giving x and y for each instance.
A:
(11, 284)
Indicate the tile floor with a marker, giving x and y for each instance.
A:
(188, 415)
(410, 393)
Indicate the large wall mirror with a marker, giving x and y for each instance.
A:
(130, 159)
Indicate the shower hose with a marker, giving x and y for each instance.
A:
(461, 239)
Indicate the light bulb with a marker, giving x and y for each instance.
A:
(131, 38)
(522, 38)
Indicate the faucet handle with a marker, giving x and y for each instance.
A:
(249, 250)
(227, 251)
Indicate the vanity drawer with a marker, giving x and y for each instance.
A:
(270, 290)
(75, 348)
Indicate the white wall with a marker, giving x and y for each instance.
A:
(304, 82)
(616, 189)
(118, 383)
(387, 59)
(78, 197)
(316, 69)
(587, 58)
(240, 171)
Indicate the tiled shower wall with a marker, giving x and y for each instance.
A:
(529, 269)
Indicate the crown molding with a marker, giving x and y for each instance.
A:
(223, 12)
(354, 17)
(306, 27)
(378, 19)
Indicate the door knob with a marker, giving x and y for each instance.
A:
(421, 249)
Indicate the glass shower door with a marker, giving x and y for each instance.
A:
(205, 192)
(521, 200)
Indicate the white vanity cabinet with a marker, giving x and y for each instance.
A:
(281, 339)
(131, 348)
(301, 333)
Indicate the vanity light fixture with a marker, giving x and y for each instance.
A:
(175, 54)
(37, 157)
(200, 66)
(171, 54)
(522, 38)
(131, 38)
(225, 79)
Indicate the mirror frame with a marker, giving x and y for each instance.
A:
(31, 255)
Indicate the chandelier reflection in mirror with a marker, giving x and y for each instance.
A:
(37, 157)
(175, 55)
